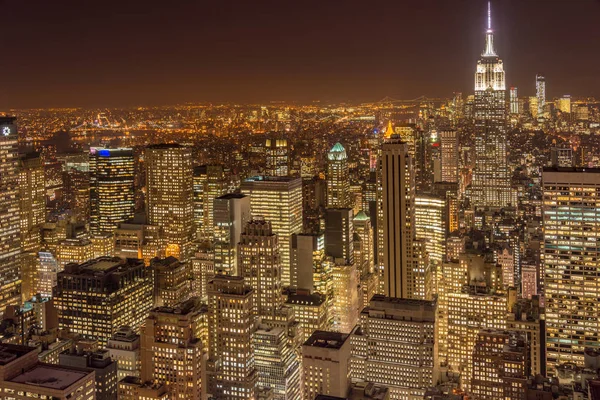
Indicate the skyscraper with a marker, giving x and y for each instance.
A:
(326, 364)
(308, 253)
(231, 212)
(231, 365)
(171, 281)
(277, 156)
(397, 346)
(260, 264)
(172, 349)
(540, 93)
(514, 100)
(398, 219)
(277, 365)
(209, 183)
(500, 365)
(430, 225)
(170, 195)
(112, 197)
(338, 179)
(339, 232)
(449, 156)
(491, 177)
(10, 242)
(279, 201)
(571, 263)
(363, 243)
(96, 298)
(32, 199)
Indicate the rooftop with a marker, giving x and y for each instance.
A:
(326, 340)
(11, 352)
(572, 169)
(165, 146)
(229, 196)
(186, 307)
(361, 216)
(274, 179)
(101, 265)
(51, 376)
(337, 152)
(313, 299)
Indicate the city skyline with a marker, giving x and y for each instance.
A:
(425, 249)
(273, 52)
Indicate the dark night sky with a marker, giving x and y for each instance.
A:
(130, 52)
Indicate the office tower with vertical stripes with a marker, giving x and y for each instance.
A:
(398, 203)
(10, 241)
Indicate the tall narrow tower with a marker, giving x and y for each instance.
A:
(540, 93)
(398, 183)
(10, 242)
(491, 178)
(112, 198)
(338, 179)
(170, 195)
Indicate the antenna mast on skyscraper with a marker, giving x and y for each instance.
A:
(489, 16)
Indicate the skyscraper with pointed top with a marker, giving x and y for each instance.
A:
(338, 179)
(491, 177)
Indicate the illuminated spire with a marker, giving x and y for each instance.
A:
(489, 35)
(389, 130)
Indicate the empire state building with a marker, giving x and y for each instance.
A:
(491, 178)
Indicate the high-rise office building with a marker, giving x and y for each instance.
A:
(491, 176)
(469, 311)
(47, 273)
(345, 297)
(398, 203)
(96, 298)
(10, 241)
(363, 244)
(259, 263)
(76, 184)
(124, 348)
(277, 365)
(339, 231)
(338, 178)
(500, 365)
(172, 281)
(306, 250)
(540, 93)
(209, 183)
(231, 212)
(449, 156)
(279, 201)
(172, 350)
(32, 210)
(23, 377)
(112, 197)
(277, 156)
(564, 104)
(169, 175)
(74, 251)
(326, 364)
(570, 257)
(311, 310)
(430, 225)
(231, 366)
(561, 156)
(396, 345)
(514, 101)
(105, 369)
(527, 317)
